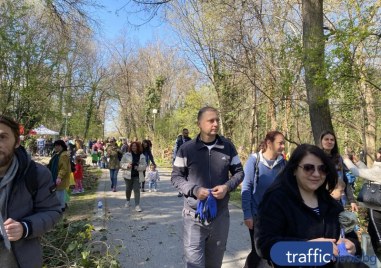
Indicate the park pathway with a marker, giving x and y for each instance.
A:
(153, 238)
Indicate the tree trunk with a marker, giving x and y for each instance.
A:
(313, 43)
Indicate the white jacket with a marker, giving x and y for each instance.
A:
(361, 170)
(127, 159)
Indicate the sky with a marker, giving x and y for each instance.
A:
(116, 17)
(113, 20)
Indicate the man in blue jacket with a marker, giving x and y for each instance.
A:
(28, 204)
(202, 166)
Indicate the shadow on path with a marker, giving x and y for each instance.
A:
(153, 238)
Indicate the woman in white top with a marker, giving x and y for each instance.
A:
(373, 174)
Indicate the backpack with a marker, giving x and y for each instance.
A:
(72, 166)
(350, 177)
(31, 179)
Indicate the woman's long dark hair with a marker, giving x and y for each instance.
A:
(335, 149)
(147, 148)
(287, 174)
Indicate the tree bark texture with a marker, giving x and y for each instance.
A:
(315, 79)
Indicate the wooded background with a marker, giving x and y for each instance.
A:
(299, 67)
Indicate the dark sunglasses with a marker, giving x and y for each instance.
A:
(310, 169)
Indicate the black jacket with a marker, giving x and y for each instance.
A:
(283, 216)
(195, 167)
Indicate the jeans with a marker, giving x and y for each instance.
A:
(114, 177)
(61, 197)
(133, 184)
(152, 185)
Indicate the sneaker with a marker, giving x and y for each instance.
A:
(143, 190)
(155, 190)
(127, 205)
(114, 189)
(138, 208)
(149, 190)
(75, 192)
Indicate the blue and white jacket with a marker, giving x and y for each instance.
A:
(196, 166)
(252, 193)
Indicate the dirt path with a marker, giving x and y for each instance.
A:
(153, 238)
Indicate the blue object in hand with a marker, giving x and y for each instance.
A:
(212, 206)
(343, 250)
(207, 208)
(200, 210)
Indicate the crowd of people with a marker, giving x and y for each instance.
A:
(301, 198)
(281, 196)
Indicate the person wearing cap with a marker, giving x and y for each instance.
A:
(114, 154)
(28, 204)
(59, 166)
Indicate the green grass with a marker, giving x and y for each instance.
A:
(81, 206)
(235, 197)
(71, 243)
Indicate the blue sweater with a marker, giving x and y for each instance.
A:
(252, 193)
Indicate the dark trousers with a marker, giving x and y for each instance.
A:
(252, 259)
(374, 230)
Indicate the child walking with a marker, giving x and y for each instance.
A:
(78, 176)
(95, 156)
(152, 176)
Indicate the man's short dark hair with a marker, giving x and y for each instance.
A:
(205, 109)
(14, 126)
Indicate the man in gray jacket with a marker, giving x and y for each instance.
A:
(202, 166)
(28, 204)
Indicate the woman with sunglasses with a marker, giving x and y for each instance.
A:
(298, 205)
(328, 143)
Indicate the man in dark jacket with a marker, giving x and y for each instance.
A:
(180, 140)
(201, 168)
(28, 204)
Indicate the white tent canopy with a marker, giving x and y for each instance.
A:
(42, 130)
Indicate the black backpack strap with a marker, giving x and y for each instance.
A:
(31, 179)
(256, 170)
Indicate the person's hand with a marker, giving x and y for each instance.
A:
(13, 229)
(249, 223)
(202, 193)
(323, 239)
(355, 159)
(129, 165)
(354, 207)
(349, 245)
(219, 191)
(58, 181)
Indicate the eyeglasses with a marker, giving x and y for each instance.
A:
(310, 169)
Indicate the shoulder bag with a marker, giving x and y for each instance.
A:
(370, 194)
